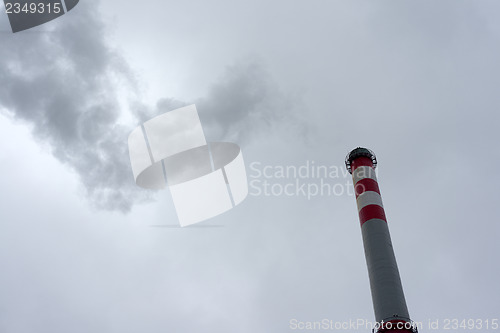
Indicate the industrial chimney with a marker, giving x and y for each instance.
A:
(389, 302)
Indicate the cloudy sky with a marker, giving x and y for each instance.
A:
(295, 84)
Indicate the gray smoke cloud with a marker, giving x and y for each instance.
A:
(70, 85)
(246, 102)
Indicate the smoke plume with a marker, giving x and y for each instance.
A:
(69, 85)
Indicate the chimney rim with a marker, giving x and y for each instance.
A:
(359, 152)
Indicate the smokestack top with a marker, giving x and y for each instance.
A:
(360, 152)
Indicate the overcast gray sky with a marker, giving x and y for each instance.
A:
(294, 83)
